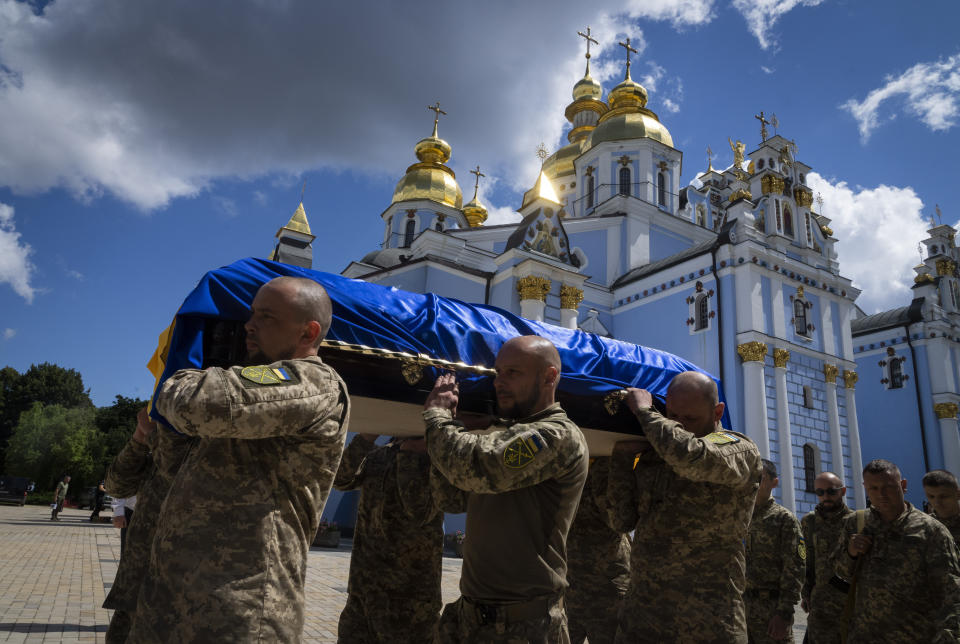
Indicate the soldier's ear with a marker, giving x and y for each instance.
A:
(311, 333)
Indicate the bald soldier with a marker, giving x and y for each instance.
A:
(688, 491)
(521, 478)
(229, 556)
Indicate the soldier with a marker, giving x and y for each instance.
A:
(229, 555)
(688, 490)
(521, 481)
(943, 494)
(824, 594)
(775, 558)
(393, 594)
(144, 467)
(598, 557)
(902, 566)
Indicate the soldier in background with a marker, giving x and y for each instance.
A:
(229, 556)
(943, 494)
(393, 593)
(823, 594)
(598, 557)
(689, 490)
(902, 565)
(521, 482)
(775, 565)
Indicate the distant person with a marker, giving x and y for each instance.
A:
(98, 495)
(775, 565)
(688, 489)
(902, 565)
(943, 494)
(59, 496)
(823, 594)
(228, 561)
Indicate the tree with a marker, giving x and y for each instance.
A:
(50, 441)
(115, 425)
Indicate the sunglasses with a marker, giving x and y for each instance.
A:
(830, 491)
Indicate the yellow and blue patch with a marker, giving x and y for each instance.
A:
(721, 438)
(802, 548)
(521, 451)
(266, 375)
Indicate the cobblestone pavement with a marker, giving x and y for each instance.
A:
(54, 577)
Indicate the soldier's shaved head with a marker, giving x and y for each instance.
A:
(528, 370)
(536, 347)
(308, 298)
(829, 479)
(695, 382)
(829, 489)
(692, 401)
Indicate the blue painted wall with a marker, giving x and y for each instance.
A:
(664, 243)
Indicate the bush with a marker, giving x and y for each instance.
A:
(40, 498)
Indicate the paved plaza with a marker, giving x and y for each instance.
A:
(54, 577)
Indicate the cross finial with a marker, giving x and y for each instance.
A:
(709, 159)
(939, 214)
(476, 185)
(626, 45)
(589, 40)
(820, 202)
(542, 153)
(436, 118)
(775, 122)
(302, 190)
(763, 125)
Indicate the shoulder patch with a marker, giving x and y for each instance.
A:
(721, 438)
(264, 375)
(802, 548)
(521, 451)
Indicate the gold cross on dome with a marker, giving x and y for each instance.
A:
(820, 202)
(709, 159)
(775, 122)
(763, 125)
(542, 153)
(626, 45)
(476, 185)
(437, 112)
(589, 40)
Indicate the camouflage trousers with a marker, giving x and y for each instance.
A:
(592, 610)
(826, 613)
(759, 612)
(465, 621)
(371, 619)
(119, 627)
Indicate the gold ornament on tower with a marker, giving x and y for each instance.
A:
(474, 211)
(570, 297)
(752, 351)
(830, 373)
(533, 288)
(946, 410)
(780, 356)
(430, 179)
(850, 378)
(946, 267)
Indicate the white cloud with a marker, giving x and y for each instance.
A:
(155, 100)
(225, 205)
(9, 333)
(878, 262)
(929, 91)
(762, 15)
(767, 70)
(15, 267)
(260, 197)
(77, 275)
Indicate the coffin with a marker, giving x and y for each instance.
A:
(390, 345)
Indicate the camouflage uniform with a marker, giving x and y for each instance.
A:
(523, 482)
(822, 591)
(229, 556)
(598, 557)
(952, 523)
(394, 590)
(690, 500)
(775, 558)
(147, 471)
(908, 583)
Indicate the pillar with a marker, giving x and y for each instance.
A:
(755, 394)
(853, 428)
(533, 296)
(833, 417)
(570, 298)
(947, 417)
(788, 494)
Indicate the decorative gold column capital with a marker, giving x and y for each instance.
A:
(946, 266)
(850, 378)
(946, 410)
(830, 373)
(533, 288)
(570, 297)
(752, 351)
(780, 358)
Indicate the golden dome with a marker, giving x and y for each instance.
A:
(431, 181)
(560, 163)
(628, 93)
(432, 149)
(587, 88)
(475, 212)
(633, 124)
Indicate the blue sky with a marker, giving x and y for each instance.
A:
(142, 144)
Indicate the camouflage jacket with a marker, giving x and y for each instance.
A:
(952, 523)
(907, 584)
(229, 556)
(775, 555)
(523, 481)
(822, 531)
(596, 551)
(398, 540)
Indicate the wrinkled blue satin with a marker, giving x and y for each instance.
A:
(389, 318)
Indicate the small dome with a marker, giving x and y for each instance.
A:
(475, 212)
(586, 87)
(628, 93)
(630, 125)
(432, 149)
(560, 163)
(431, 181)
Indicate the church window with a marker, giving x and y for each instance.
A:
(409, 233)
(803, 178)
(770, 162)
(760, 221)
(809, 467)
(590, 188)
(787, 222)
(661, 189)
(701, 215)
(703, 313)
(800, 316)
(806, 217)
(625, 181)
(779, 217)
(807, 397)
(759, 164)
(896, 373)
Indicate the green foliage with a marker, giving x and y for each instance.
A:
(50, 441)
(115, 425)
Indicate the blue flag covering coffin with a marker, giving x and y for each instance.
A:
(390, 345)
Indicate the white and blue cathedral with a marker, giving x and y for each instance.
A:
(734, 272)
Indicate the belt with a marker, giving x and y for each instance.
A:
(510, 613)
(756, 593)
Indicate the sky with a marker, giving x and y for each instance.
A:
(142, 144)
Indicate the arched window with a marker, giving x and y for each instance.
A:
(803, 179)
(590, 188)
(800, 316)
(809, 467)
(787, 221)
(896, 373)
(807, 397)
(661, 189)
(701, 215)
(625, 181)
(703, 313)
(409, 233)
